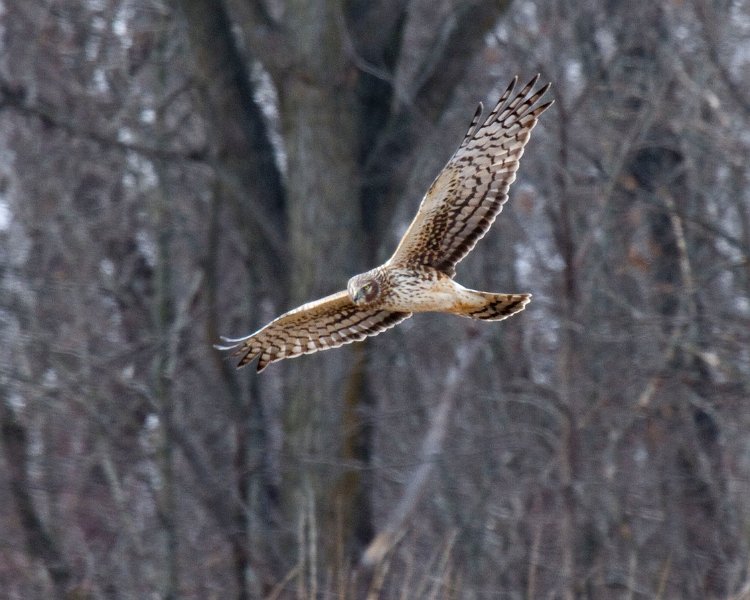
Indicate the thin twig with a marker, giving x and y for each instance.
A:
(432, 446)
(15, 100)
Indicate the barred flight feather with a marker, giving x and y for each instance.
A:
(455, 213)
(470, 191)
(327, 323)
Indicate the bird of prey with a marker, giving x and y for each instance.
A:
(455, 213)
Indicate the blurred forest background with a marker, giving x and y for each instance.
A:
(175, 170)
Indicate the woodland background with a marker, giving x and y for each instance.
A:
(173, 170)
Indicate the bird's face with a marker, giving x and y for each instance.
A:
(363, 289)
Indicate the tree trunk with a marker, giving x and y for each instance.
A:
(319, 114)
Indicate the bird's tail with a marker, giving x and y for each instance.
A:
(495, 307)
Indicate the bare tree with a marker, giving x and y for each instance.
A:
(170, 172)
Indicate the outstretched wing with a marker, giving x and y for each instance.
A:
(470, 191)
(326, 323)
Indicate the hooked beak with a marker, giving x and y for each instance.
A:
(358, 296)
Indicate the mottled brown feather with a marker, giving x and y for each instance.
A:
(470, 191)
(326, 323)
(455, 213)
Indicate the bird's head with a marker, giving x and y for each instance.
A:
(364, 288)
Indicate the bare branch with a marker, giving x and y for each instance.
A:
(39, 540)
(15, 99)
(432, 446)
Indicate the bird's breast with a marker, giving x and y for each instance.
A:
(419, 290)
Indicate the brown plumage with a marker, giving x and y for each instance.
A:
(455, 213)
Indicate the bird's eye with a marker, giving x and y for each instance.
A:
(369, 290)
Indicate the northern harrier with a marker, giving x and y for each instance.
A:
(455, 213)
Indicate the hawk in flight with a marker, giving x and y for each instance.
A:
(455, 213)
